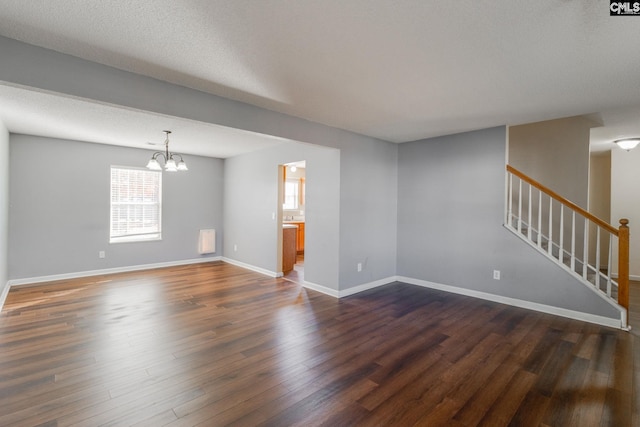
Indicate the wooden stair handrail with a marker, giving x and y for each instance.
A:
(622, 233)
(604, 224)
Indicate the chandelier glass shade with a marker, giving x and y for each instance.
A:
(627, 143)
(168, 157)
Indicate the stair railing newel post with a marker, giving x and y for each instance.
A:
(623, 264)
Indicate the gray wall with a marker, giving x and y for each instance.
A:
(555, 153)
(251, 201)
(4, 207)
(351, 212)
(600, 201)
(59, 213)
(368, 211)
(450, 211)
(367, 165)
(373, 175)
(625, 203)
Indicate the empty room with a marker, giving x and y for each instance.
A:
(337, 213)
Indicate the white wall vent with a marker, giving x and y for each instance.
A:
(207, 241)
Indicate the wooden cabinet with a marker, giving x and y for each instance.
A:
(300, 238)
(289, 242)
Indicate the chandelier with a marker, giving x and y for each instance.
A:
(627, 143)
(168, 157)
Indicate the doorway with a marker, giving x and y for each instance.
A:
(293, 218)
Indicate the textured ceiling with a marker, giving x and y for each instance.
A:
(44, 114)
(395, 70)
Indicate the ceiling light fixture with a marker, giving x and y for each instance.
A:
(169, 161)
(627, 143)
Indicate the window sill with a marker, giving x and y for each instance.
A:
(134, 239)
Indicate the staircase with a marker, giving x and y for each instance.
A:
(587, 247)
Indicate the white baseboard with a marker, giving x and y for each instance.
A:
(571, 314)
(349, 291)
(309, 285)
(65, 276)
(3, 295)
(366, 286)
(563, 312)
(322, 289)
(252, 267)
(586, 317)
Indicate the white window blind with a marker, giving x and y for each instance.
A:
(291, 193)
(135, 204)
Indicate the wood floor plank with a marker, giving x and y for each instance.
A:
(565, 398)
(507, 404)
(635, 393)
(214, 344)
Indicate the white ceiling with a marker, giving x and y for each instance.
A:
(51, 115)
(398, 70)
(619, 123)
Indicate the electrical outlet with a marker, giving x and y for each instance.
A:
(496, 274)
(235, 248)
(359, 266)
(101, 254)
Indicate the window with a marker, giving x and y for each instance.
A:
(135, 204)
(291, 194)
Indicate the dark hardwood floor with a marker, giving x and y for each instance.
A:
(213, 344)
(297, 274)
(634, 307)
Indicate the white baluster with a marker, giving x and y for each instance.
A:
(539, 218)
(597, 281)
(509, 206)
(561, 246)
(520, 207)
(549, 249)
(585, 252)
(529, 216)
(573, 241)
(609, 264)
